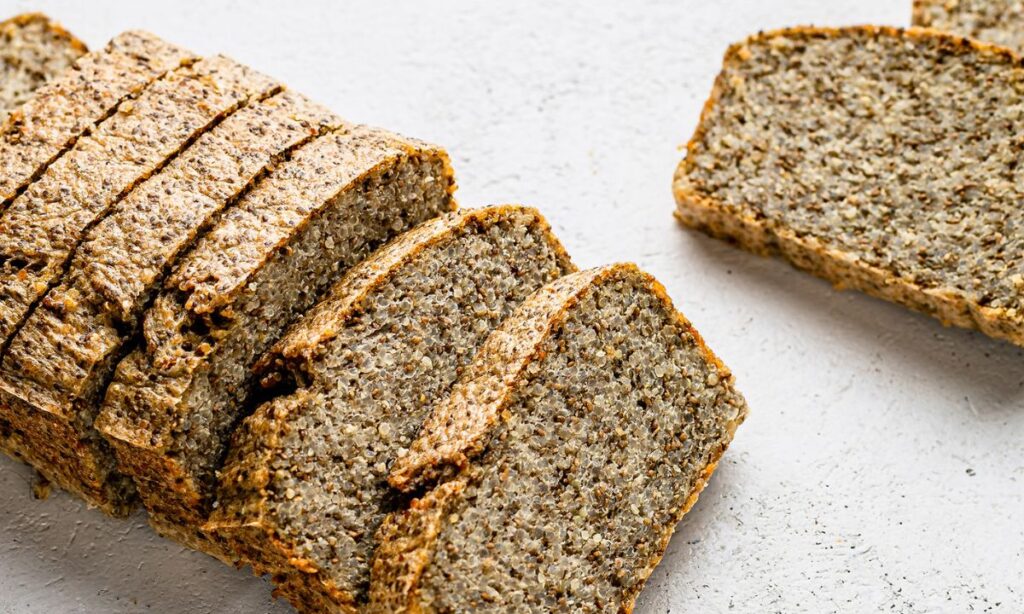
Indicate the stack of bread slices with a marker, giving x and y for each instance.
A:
(275, 329)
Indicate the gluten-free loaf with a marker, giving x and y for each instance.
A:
(993, 21)
(33, 50)
(41, 230)
(305, 486)
(64, 355)
(880, 159)
(58, 113)
(175, 401)
(570, 448)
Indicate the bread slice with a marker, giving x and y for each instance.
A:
(33, 50)
(993, 21)
(174, 402)
(582, 432)
(880, 159)
(74, 102)
(64, 355)
(305, 485)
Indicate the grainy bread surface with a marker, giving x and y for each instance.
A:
(33, 50)
(308, 470)
(175, 401)
(581, 433)
(48, 124)
(904, 182)
(993, 21)
(45, 225)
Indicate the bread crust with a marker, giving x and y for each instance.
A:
(459, 429)
(47, 125)
(763, 237)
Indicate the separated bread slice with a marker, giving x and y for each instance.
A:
(994, 21)
(64, 355)
(582, 432)
(33, 50)
(74, 102)
(880, 159)
(43, 227)
(305, 487)
(175, 401)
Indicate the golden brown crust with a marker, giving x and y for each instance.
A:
(459, 427)
(323, 321)
(38, 132)
(763, 237)
(55, 29)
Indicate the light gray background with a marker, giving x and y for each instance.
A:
(882, 467)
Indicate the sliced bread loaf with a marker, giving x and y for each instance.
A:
(73, 103)
(174, 402)
(43, 227)
(65, 353)
(33, 50)
(994, 21)
(582, 432)
(883, 160)
(305, 487)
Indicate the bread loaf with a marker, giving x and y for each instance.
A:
(175, 401)
(64, 355)
(305, 485)
(33, 50)
(882, 160)
(43, 227)
(993, 21)
(570, 448)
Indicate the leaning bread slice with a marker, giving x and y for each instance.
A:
(582, 432)
(64, 355)
(902, 181)
(33, 50)
(174, 402)
(305, 485)
(74, 102)
(993, 21)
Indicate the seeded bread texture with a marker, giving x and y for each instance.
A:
(44, 226)
(64, 355)
(50, 122)
(993, 21)
(33, 50)
(305, 486)
(903, 182)
(174, 403)
(582, 432)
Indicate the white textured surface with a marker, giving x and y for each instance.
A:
(883, 465)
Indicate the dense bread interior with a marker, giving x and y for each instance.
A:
(187, 389)
(603, 442)
(33, 50)
(909, 162)
(994, 21)
(370, 386)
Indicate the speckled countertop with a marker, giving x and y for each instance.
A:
(882, 467)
